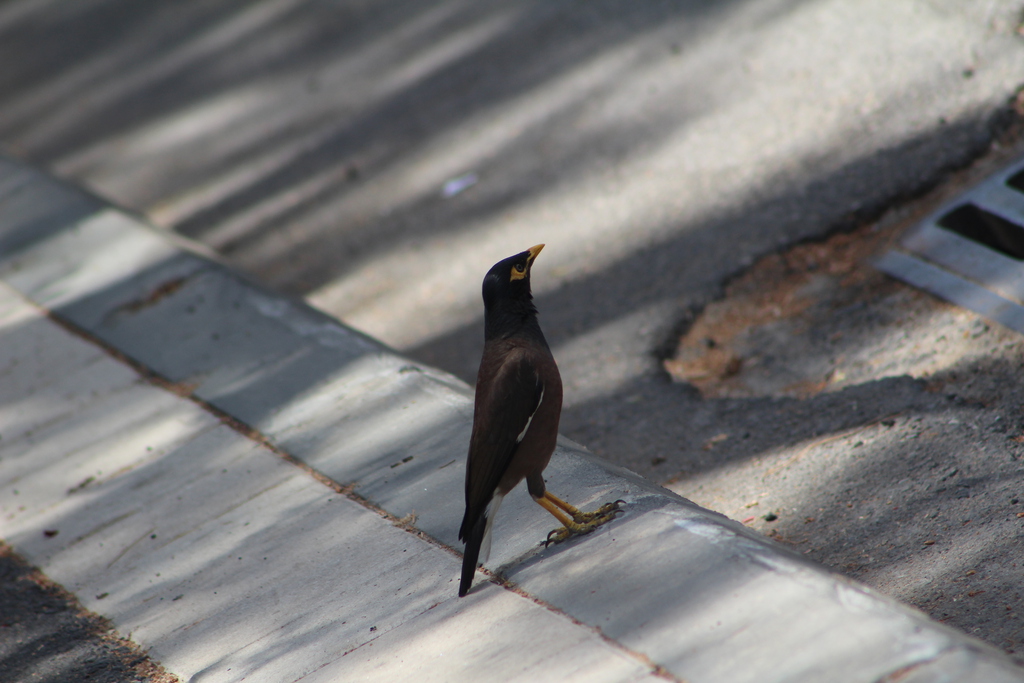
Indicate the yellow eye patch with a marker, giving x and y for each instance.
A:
(518, 272)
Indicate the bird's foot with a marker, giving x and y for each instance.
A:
(585, 522)
(605, 513)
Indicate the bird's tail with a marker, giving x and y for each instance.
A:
(474, 538)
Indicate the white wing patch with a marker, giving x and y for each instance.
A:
(522, 434)
(490, 512)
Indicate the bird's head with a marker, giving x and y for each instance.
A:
(508, 280)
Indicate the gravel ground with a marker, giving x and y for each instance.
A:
(47, 637)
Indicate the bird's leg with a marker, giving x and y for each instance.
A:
(579, 522)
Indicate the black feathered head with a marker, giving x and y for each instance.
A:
(507, 296)
(509, 279)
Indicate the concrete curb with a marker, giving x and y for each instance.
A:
(668, 590)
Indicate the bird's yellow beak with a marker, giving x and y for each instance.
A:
(519, 271)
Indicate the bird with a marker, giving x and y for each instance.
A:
(516, 410)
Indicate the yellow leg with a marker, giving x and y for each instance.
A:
(560, 503)
(556, 506)
(584, 517)
(580, 522)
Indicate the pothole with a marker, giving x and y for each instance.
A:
(820, 318)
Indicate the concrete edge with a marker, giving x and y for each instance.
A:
(685, 587)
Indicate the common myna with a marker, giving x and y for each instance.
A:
(515, 418)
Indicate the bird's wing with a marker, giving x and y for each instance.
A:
(502, 416)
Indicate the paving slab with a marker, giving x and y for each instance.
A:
(166, 505)
(226, 561)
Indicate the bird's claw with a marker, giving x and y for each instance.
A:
(605, 513)
(585, 522)
(557, 536)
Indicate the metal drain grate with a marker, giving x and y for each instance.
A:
(971, 251)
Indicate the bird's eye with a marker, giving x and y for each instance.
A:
(518, 271)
